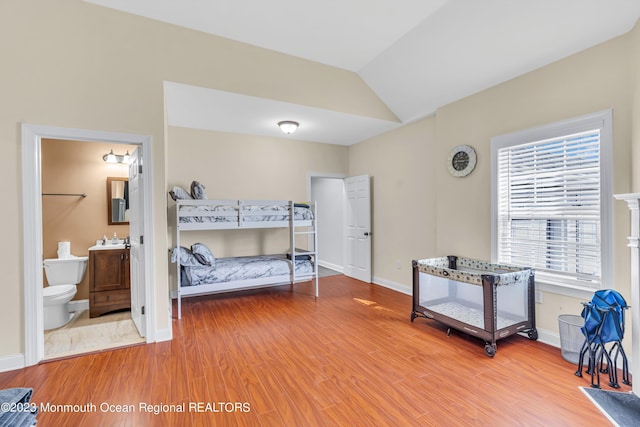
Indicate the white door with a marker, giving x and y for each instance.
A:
(358, 228)
(136, 226)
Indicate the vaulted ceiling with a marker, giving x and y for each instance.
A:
(416, 55)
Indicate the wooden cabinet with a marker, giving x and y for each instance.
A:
(108, 281)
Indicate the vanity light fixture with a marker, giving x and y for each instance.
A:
(109, 158)
(116, 158)
(288, 126)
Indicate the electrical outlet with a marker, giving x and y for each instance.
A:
(539, 297)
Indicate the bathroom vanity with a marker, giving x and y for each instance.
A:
(109, 278)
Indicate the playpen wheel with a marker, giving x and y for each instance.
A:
(490, 350)
(533, 334)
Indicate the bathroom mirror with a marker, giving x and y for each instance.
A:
(117, 200)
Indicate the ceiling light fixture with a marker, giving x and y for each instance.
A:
(288, 126)
(116, 158)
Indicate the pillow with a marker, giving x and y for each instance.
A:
(197, 191)
(301, 257)
(179, 193)
(185, 257)
(203, 254)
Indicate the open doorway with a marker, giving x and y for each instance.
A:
(85, 198)
(344, 223)
(32, 136)
(328, 192)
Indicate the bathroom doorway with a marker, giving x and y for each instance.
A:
(84, 198)
(32, 140)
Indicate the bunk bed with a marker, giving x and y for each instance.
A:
(199, 272)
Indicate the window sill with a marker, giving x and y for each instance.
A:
(565, 290)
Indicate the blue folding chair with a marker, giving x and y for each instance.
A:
(603, 324)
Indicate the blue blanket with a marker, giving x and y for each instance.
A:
(16, 410)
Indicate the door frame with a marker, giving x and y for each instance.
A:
(344, 196)
(32, 136)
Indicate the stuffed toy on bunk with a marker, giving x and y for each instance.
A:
(197, 191)
(179, 193)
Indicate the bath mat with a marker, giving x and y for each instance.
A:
(84, 334)
(622, 409)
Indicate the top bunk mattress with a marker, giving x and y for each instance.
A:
(238, 213)
(473, 271)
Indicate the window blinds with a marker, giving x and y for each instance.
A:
(549, 207)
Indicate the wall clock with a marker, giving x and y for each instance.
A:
(461, 160)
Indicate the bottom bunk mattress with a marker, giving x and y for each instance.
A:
(243, 268)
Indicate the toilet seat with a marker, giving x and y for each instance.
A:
(52, 293)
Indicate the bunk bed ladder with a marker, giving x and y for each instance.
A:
(178, 270)
(311, 232)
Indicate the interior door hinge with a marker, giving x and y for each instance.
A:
(142, 310)
(142, 240)
(140, 169)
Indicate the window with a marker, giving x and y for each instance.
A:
(551, 201)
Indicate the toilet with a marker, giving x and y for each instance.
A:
(63, 274)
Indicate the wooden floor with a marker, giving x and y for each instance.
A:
(277, 357)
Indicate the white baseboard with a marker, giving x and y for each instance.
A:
(17, 361)
(164, 335)
(392, 285)
(548, 337)
(331, 266)
(78, 305)
(11, 363)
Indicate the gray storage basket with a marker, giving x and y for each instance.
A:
(571, 337)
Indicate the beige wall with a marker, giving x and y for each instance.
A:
(72, 167)
(403, 176)
(73, 64)
(67, 65)
(591, 81)
(635, 158)
(454, 213)
(234, 166)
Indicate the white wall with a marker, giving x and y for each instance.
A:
(329, 194)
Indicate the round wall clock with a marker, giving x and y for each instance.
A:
(462, 160)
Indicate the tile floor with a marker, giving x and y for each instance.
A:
(83, 334)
